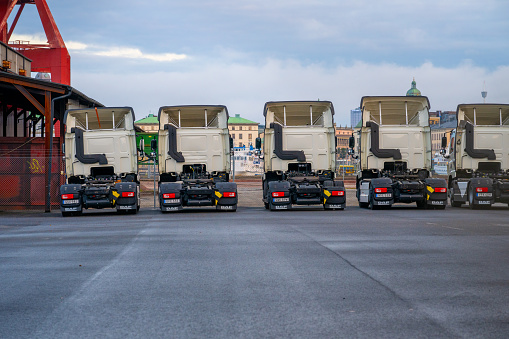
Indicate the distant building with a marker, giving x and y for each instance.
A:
(355, 116)
(149, 124)
(243, 131)
(413, 92)
(343, 135)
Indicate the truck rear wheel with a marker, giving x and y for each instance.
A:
(471, 204)
(455, 203)
(363, 204)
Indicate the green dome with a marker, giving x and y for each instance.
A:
(413, 92)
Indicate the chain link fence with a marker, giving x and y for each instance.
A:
(23, 181)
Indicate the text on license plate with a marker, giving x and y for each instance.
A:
(437, 202)
(384, 195)
(485, 194)
(383, 202)
(70, 202)
(281, 199)
(171, 201)
(484, 202)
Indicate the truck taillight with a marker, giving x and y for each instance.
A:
(441, 190)
(481, 189)
(127, 194)
(278, 194)
(67, 196)
(381, 190)
(338, 193)
(169, 195)
(229, 194)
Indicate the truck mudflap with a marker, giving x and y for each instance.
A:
(125, 196)
(170, 196)
(226, 197)
(70, 199)
(381, 192)
(334, 195)
(480, 192)
(279, 196)
(436, 193)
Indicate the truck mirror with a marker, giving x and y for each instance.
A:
(258, 143)
(141, 148)
(351, 142)
(231, 143)
(153, 144)
(444, 142)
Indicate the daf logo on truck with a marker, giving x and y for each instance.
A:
(101, 163)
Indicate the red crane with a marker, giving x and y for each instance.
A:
(52, 57)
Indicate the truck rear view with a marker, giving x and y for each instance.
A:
(300, 156)
(194, 158)
(100, 160)
(479, 156)
(394, 150)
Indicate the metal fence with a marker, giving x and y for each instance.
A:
(23, 181)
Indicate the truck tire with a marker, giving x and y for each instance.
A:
(455, 203)
(372, 205)
(363, 204)
(266, 205)
(471, 204)
(422, 205)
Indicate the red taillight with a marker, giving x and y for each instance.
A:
(127, 194)
(481, 189)
(169, 195)
(441, 190)
(337, 193)
(278, 194)
(381, 190)
(67, 196)
(229, 194)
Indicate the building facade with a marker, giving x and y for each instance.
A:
(243, 131)
(343, 135)
(150, 124)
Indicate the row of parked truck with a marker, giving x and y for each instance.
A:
(193, 151)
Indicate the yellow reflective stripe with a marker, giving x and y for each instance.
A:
(430, 189)
(427, 196)
(115, 194)
(219, 195)
(327, 193)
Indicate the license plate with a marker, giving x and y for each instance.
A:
(71, 209)
(383, 202)
(281, 207)
(484, 202)
(437, 202)
(281, 199)
(70, 202)
(173, 208)
(226, 207)
(485, 194)
(125, 207)
(335, 206)
(171, 201)
(384, 195)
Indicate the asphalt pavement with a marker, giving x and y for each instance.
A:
(305, 273)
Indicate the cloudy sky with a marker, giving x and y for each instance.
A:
(243, 53)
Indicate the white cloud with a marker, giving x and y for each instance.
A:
(31, 38)
(245, 88)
